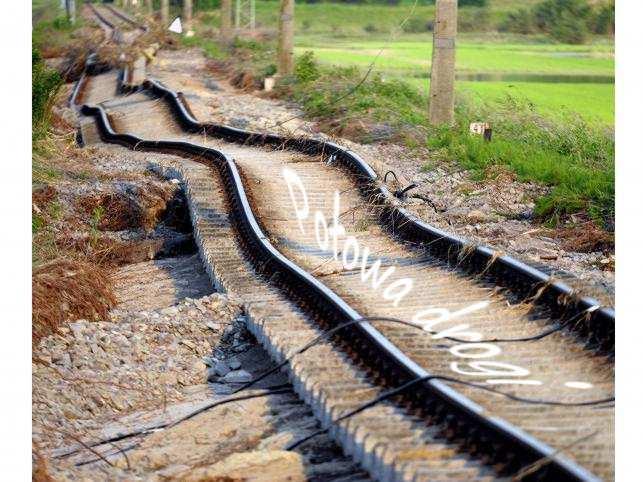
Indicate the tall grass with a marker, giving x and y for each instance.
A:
(573, 157)
(45, 84)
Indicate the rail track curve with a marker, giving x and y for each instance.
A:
(487, 437)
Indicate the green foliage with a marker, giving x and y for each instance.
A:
(417, 25)
(211, 47)
(306, 69)
(37, 223)
(604, 22)
(565, 20)
(568, 21)
(205, 5)
(574, 158)
(520, 21)
(45, 84)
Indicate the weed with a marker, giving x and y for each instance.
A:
(306, 69)
(45, 85)
(94, 223)
(65, 289)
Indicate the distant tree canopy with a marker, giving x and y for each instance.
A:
(461, 3)
(569, 21)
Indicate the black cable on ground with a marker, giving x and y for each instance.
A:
(398, 390)
(277, 389)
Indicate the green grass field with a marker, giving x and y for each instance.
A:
(409, 56)
(345, 34)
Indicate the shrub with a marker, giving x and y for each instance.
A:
(202, 5)
(569, 21)
(417, 25)
(472, 3)
(474, 20)
(306, 68)
(520, 21)
(370, 28)
(604, 22)
(570, 29)
(565, 20)
(45, 84)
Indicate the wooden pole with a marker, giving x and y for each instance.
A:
(286, 35)
(165, 12)
(226, 20)
(187, 14)
(441, 91)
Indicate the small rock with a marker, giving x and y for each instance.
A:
(239, 122)
(477, 216)
(241, 348)
(170, 311)
(77, 329)
(238, 376)
(234, 364)
(189, 344)
(212, 85)
(218, 370)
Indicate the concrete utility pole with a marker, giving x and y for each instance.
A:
(187, 14)
(441, 92)
(286, 34)
(226, 20)
(165, 12)
(244, 17)
(70, 7)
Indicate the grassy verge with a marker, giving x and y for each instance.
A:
(65, 284)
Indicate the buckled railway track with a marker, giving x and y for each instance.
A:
(554, 422)
(118, 27)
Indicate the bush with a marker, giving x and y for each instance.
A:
(569, 21)
(519, 21)
(417, 25)
(604, 22)
(202, 5)
(45, 84)
(370, 28)
(570, 29)
(474, 20)
(564, 20)
(306, 68)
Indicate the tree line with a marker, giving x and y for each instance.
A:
(569, 21)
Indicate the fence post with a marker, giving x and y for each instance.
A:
(70, 7)
(226, 20)
(187, 14)
(441, 91)
(165, 12)
(286, 34)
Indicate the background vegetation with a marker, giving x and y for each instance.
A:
(555, 133)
